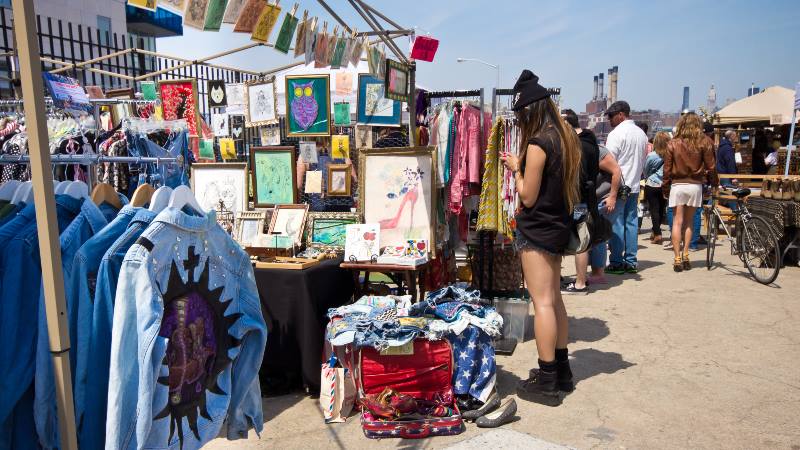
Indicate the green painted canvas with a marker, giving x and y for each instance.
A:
(286, 34)
(330, 231)
(341, 114)
(273, 172)
(148, 90)
(214, 14)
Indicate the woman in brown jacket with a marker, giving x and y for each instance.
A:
(689, 162)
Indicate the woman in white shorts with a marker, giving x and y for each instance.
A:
(689, 162)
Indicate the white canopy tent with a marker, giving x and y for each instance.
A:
(773, 105)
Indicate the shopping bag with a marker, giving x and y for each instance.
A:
(337, 393)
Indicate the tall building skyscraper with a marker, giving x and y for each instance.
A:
(753, 90)
(685, 105)
(711, 105)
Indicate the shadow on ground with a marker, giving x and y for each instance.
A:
(590, 362)
(587, 329)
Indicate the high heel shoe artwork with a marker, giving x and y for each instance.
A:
(410, 194)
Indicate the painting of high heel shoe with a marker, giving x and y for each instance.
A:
(397, 192)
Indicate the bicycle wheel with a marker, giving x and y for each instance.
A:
(711, 238)
(761, 250)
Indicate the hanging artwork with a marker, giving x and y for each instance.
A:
(424, 48)
(220, 124)
(339, 180)
(341, 114)
(286, 33)
(235, 98)
(206, 150)
(148, 90)
(311, 42)
(220, 181)
(249, 224)
(214, 13)
(176, 6)
(260, 103)
(289, 221)
(300, 39)
(321, 50)
(308, 105)
(397, 79)
(375, 60)
(149, 5)
(356, 51)
(313, 184)
(227, 149)
(340, 146)
(362, 242)
(216, 94)
(97, 92)
(328, 231)
(249, 15)
(270, 136)
(179, 101)
(232, 11)
(338, 53)
(274, 176)
(266, 22)
(237, 126)
(401, 197)
(195, 14)
(308, 152)
(373, 106)
(344, 82)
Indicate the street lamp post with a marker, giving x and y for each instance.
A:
(494, 66)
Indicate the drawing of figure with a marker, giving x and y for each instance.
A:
(406, 189)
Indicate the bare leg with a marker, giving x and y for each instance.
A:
(688, 212)
(677, 231)
(541, 273)
(581, 265)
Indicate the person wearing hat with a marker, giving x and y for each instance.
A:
(628, 144)
(546, 175)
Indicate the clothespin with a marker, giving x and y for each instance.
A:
(314, 22)
(325, 27)
(277, 2)
(294, 9)
(335, 30)
(355, 33)
(305, 15)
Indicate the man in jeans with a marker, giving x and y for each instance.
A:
(627, 143)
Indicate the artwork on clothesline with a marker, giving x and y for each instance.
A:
(286, 33)
(214, 14)
(362, 242)
(308, 105)
(308, 152)
(227, 149)
(328, 231)
(235, 94)
(401, 195)
(175, 6)
(220, 181)
(179, 101)
(149, 5)
(232, 11)
(217, 97)
(270, 136)
(357, 50)
(338, 53)
(237, 126)
(321, 50)
(424, 48)
(67, 93)
(148, 90)
(220, 124)
(195, 14)
(249, 225)
(313, 184)
(375, 60)
(341, 114)
(373, 107)
(289, 221)
(260, 107)
(344, 83)
(311, 42)
(339, 180)
(248, 16)
(266, 22)
(95, 92)
(340, 146)
(300, 37)
(274, 176)
(397, 79)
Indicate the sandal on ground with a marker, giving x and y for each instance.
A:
(677, 264)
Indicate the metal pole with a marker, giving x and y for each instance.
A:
(412, 106)
(376, 27)
(335, 16)
(791, 141)
(390, 40)
(49, 247)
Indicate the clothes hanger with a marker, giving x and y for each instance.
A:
(62, 186)
(142, 195)
(8, 189)
(24, 193)
(77, 189)
(160, 199)
(183, 196)
(105, 193)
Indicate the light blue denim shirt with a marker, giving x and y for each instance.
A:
(95, 390)
(188, 338)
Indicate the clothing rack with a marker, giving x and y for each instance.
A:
(86, 160)
(555, 93)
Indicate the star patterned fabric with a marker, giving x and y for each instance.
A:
(475, 370)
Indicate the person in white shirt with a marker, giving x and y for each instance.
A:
(628, 143)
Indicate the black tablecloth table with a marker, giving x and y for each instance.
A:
(294, 304)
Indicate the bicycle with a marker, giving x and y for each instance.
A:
(754, 243)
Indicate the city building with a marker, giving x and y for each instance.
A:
(753, 90)
(685, 104)
(711, 104)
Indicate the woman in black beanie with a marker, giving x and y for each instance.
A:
(546, 175)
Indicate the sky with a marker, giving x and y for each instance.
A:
(659, 46)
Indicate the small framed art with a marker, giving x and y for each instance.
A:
(397, 77)
(217, 97)
(328, 231)
(260, 108)
(308, 105)
(339, 180)
(220, 181)
(288, 221)
(249, 225)
(274, 176)
(373, 106)
(179, 101)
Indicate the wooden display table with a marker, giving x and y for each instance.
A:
(412, 276)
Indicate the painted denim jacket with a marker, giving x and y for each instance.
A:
(187, 340)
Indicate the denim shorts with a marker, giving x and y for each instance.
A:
(522, 244)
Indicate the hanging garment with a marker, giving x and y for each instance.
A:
(187, 339)
(16, 145)
(490, 208)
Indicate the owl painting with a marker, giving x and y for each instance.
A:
(304, 105)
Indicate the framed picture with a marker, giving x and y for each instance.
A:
(235, 98)
(397, 77)
(249, 225)
(274, 176)
(220, 181)
(126, 93)
(288, 221)
(308, 105)
(362, 242)
(195, 13)
(217, 97)
(373, 106)
(179, 101)
(328, 231)
(339, 180)
(260, 108)
(401, 197)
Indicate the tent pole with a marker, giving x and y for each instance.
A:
(791, 142)
(49, 247)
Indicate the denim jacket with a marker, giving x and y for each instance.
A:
(187, 340)
(92, 394)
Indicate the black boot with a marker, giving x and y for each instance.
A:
(563, 372)
(542, 386)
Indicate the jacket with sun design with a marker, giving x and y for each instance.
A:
(187, 338)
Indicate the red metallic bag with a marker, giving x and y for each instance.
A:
(426, 374)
